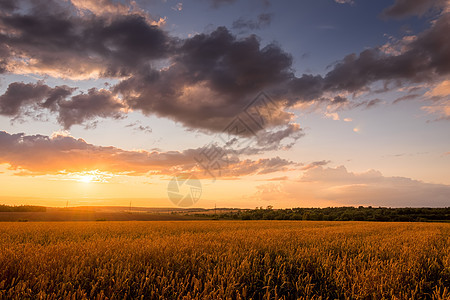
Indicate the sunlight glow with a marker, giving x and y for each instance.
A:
(90, 176)
(86, 178)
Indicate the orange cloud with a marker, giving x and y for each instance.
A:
(442, 89)
(63, 154)
(441, 109)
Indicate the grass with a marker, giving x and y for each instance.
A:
(224, 260)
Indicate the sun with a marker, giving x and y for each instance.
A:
(86, 178)
(92, 176)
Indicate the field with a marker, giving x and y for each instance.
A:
(224, 260)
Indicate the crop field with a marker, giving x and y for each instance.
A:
(224, 260)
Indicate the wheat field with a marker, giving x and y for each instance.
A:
(224, 260)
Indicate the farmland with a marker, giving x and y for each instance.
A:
(224, 260)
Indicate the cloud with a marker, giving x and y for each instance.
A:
(315, 164)
(83, 107)
(439, 101)
(62, 153)
(258, 167)
(208, 79)
(422, 59)
(372, 188)
(100, 7)
(242, 25)
(373, 103)
(425, 59)
(440, 108)
(441, 89)
(344, 1)
(406, 8)
(137, 126)
(406, 97)
(282, 178)
(50, 38)
(178, 7)
(20, 97)
(322, 187)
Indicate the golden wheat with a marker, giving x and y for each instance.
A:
(224, 260)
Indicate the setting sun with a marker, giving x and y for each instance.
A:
(86, 178)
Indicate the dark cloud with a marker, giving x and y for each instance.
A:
(306, 88)
(424, 59)
(339, 100)
(242, 25)
(83, 107)
(373, 102)
(8, 5)
(406, 8)
(71, 110)
(18, 95)
(79, 45)
(406, 97)
(137, 126)
(231, 65)
(208, 78)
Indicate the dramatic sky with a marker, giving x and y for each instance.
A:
(284, 103)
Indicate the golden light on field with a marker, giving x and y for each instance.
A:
(225, 260)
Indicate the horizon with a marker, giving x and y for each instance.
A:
(235, 104)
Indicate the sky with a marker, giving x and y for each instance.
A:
(227, 103)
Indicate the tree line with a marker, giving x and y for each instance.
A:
(360, 213)
(22, 208)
